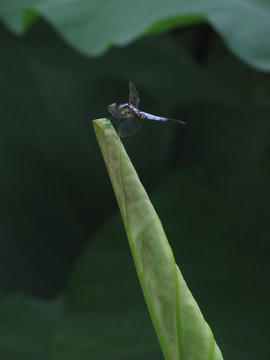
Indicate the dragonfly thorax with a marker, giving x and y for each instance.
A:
(123, 110)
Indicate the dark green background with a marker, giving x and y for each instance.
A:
(67, 282)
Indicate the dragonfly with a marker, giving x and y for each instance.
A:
(128, 119)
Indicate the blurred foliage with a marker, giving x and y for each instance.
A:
(92, 26)
(209, 181)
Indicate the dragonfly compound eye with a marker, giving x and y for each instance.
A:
(113, 108)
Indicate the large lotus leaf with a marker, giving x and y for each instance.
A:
(27, 326)
(93, 26)
(105, 315)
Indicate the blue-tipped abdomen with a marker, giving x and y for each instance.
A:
(159, 118)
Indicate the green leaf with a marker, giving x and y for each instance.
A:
(93, 26)
(173, 22)
(179, 324)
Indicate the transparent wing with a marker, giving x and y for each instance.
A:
(133, 95)
(127, 126)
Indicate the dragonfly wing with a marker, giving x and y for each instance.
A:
(133, 95)
(127, 126)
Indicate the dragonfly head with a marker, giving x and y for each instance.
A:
(113, 109)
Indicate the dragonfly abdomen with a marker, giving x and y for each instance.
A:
(152, 117)
(159, 118)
